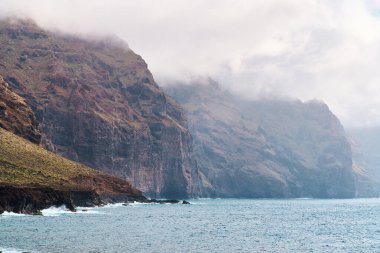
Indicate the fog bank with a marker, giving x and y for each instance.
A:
(329, 50)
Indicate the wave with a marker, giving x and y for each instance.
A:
(11, 214)
(62, 210)
(12, 250)
(111, 205)
(55, 211)
(95, 209)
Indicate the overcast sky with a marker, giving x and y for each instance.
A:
(324, 49)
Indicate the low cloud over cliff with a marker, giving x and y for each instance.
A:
(307, 49)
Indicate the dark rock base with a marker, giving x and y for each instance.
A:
(31, 200)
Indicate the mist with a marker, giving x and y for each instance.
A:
(326, 50)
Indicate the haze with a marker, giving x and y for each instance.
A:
(328, 50)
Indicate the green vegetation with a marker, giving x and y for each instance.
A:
(23, 163)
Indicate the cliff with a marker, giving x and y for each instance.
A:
(266, 148)
(98, 104)
(367, 160)
(32, 178)
(16, 116)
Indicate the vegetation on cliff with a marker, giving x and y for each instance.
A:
(23, 163)
(97, 103)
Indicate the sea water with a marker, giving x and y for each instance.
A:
(214, 225)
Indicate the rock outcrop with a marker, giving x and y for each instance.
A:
(32, 178)
(266, 148)
(16, 116)
(30, 200)
(98, 104)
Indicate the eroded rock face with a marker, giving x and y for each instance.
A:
(16, 116)
(97, 103)
(266, 148)
(31, 200)
(32, 179)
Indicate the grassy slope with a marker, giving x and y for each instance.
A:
(23, 163)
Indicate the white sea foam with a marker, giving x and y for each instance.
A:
(12, 250)
(128, 204)
(62, 210)
(12, 214)
(111, 205)
(55, 211)
(96, 209)
(136, 204)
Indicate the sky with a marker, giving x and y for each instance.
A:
(307, 49)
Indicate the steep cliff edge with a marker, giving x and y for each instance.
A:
(32, 179)
(97, 103)
(266, 148)
(16, 116)
(367, 160)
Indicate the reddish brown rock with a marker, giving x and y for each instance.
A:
(97, 103)
(16, 116)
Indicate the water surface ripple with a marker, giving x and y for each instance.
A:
(219, 225)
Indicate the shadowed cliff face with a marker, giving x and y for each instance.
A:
(367, 159)
(97, 103)
(266, 148)
(32, 178)
(16, 116)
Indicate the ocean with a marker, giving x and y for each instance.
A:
(207, 225)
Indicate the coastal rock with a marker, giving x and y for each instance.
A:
(98, 104)
(32, 200)
(32, 179)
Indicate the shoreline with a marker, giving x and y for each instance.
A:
(32, 200)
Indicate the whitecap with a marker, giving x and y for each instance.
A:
(12, 214)
(112, 205)
(62, 210)
(12, 250)
(55, 211)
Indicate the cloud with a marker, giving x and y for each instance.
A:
(322, 49)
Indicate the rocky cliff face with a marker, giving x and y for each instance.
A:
(365, 143)
(266, 148)
(16, 116)
(31, 179)
(31, 200)
(97, 103)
